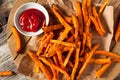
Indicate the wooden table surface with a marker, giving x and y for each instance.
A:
(5, 54)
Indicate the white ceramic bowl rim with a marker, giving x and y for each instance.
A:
(25, 7)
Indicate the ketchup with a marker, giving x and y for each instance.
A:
(31, 20)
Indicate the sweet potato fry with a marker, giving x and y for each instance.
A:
(89, 40)
(68, 19)
(117, 33)
(6, 73)
(36, 68)
(51, 51)
(84, 3)
(87, 29)
(55, 72)
(51, 28)
(70, 39)
(60, 18)
(68, 56)
(87, 60)
(64, 34)
(97, 61)
(43, 38)
(40, 64)
(106, 53)
(83, 44)
(66, 49)
(60, 58)
(79, 13)
(76, 61)
(55, 59)
(47, 48)
(101, 61)
(85, 13)
(70, 64)
(46, 41)
(103, 6)
(89, 7)
(98, 19)
(46, 61)
(60, 70)
(63, 43)
(17, 38)
(115, 60)
(102, 69)
(96, 26)
(76, 25)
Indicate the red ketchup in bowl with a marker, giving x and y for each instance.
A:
(31, 20)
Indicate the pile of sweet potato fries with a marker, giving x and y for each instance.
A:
(67, 48)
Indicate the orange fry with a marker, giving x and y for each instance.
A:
(46, 41)
(87, 29)
(70, 39)
(79, 13)
(6, 73)
(68, 57)
(102, 69)
(98, 19)
(66, 49)
(97, 61)
(17, 38)
(84, 3)
(60, 70)
(68, 19)
(96, 26)
(85, 13)
(55, 72)
(36, 68)
(76, 62)
(106, 53)
(60, 58)
(46, 61)
(40, 64)
(43, 38)
(89, 7)
(63, 43)
(76, 25)
(83, 44)
(60, 18)
(89, 40)
(117, 33)
(70, 64)
(103, 6)
(52, 27)
(87, 60)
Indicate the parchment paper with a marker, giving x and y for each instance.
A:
(68, 7)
